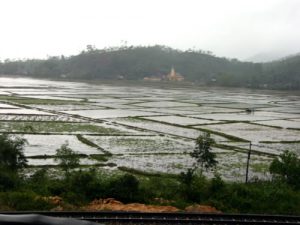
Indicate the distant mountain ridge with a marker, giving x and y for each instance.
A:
(270, 56)
(135, 63)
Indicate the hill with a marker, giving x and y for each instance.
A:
(135, 63)
(282, 74)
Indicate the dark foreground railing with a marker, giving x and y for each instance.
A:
(113, 217)
(36, 219)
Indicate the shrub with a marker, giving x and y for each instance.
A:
(217, 185)
(287, 168)
(8, 180)
(39, 182)
(158, 187)
(86, 185)
(125, 188)
(22, 201)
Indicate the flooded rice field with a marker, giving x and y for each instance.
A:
(149, 128)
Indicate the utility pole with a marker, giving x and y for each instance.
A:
(248, 160)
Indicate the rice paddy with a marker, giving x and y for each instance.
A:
(149, 128)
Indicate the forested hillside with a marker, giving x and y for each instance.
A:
(283, 74)
(135, 63)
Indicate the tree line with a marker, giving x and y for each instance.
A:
(135, 63)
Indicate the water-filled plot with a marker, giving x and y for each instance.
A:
(52, 162)
(142, 144)
(36, 145)
(7, 106)
(165, 104)
(110, 113)
(181, 120)
(281, 123)
(20, 111)
(256, 133)
(234, 117)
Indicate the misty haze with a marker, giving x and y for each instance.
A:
(176, 106)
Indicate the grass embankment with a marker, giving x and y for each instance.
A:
(92, 144)
(54, 127)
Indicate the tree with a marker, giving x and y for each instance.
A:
(12, 155)
(67, 158)
(287, 167)
(202, 152)
(90, 48)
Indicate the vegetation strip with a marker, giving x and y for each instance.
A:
(282, 142)
(92, 144)
(81, 166)
(144, 173)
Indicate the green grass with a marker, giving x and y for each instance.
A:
(99, 157)
(92, 144)
(264, 125)
(280, 142)
(96, 165)
(53, 156)
(133, 142)
(86, 141)
(36, 101)
(157, 153)
(54, 127)
(9, 97)
(259, 167)
(144, 173)
(243, 150)
(291, 128)
(177, 165)
(230, 137)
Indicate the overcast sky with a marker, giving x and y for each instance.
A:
(231, 28)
